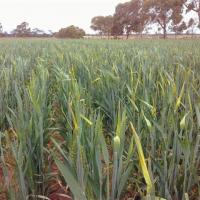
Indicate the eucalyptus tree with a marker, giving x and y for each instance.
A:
(130, 17)
(194, 5)
(164, 13)
(102, 24)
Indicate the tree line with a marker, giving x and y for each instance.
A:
(23, 30)
(135, 16)
(131, 17)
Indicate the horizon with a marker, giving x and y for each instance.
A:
(44, 15)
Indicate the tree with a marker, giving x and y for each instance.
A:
(1, 30)
(193, 5)
(163, 12)
(130, 17)
(22, 30)
(179, 28)
(37, 32)
(122, 19)
(117, 28)
(103, 25)
(51, 33)
(108, 20)
(191, 26)
(71, 32)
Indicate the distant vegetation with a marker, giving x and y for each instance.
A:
(135, 16)
(103, 25)
(23, 30)
(132, 17)
(71, 32)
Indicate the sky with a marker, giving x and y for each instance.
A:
(54, 14)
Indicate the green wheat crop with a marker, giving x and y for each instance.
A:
(115, 118)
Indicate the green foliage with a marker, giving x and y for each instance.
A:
(129, 17)
(71, 32)
(70, 103)
(22, 30)
(102, 24)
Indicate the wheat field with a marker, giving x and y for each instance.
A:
(99, 120)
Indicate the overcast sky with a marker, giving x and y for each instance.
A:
(53, 14)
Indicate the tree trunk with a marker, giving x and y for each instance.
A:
(164, 29)
(127, 35)
(163, 25)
